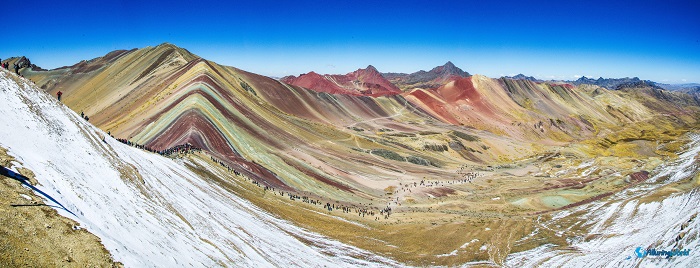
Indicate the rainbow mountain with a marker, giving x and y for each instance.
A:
(297, 138)
(518, 142)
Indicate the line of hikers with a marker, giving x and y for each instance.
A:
(361, 212)
(230, 170)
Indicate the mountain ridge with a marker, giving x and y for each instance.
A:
(434, 78)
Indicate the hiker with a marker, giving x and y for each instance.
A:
(16, 69)
(82, 114)
(59, 93)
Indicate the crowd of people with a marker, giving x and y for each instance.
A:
(181, 149)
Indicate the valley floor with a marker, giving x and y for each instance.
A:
(483, 220)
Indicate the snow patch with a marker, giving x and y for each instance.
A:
(622, 223)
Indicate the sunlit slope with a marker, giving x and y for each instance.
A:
(531, 111)
(337, 144)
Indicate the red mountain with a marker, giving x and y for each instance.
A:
(363, 82)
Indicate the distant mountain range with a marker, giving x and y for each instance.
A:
(434, 78)
(614, 83)
(370, 82)
(618, 83)
(689, 88)
(441, 75)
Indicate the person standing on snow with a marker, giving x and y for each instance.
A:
(58, 94)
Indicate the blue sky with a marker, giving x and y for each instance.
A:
(656, 40)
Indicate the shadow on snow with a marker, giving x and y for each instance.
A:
(25, 181)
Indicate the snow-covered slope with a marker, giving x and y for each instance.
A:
(636, 217)
(149, 210)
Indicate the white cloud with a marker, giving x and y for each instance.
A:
(577, 76)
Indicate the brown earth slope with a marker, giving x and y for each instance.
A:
(32, 234)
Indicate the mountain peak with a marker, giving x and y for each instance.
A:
(371, 68)
(449, 69)
(167, 45)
